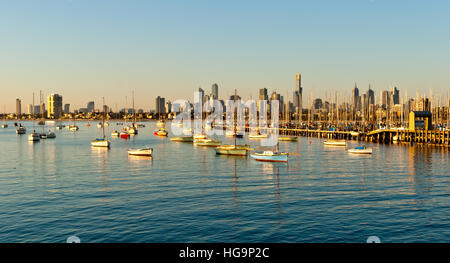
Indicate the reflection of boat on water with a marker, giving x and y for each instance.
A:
(160, 123)
(335, 142)
(361, 150)
(288, 139)
(141, 152)
(207, 142)
(182, 139)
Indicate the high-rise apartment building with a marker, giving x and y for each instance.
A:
(55, 106)
(18, 107)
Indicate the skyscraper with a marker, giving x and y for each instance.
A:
(356, 98)
(55, 106)
(215, 91)
(263, 94)
(385, 99)
(396, 96)
(370, 96)
(298, 87)
(18, 107)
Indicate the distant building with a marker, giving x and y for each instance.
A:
(160, 105)
(168, 107)
(66, 108)
(91, 106)
(370, 96)
(18, 107)
(36, 109)
(356, 98)
(318, 104)
(55, 106)
(263, 94)
(30, 109)
(298, 87)
(385, 99)
(215, 91)
(396, 96)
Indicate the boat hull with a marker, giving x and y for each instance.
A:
(288, 139)
(280, 158)
(100, 143)
(141, 152)
(335, 143)
(182, 139)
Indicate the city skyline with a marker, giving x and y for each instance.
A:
(86, 50)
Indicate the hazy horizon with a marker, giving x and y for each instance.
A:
(85, 50)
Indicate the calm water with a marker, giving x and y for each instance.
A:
(60, 187)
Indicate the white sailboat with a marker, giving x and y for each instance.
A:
(102, 142)
(133, 128)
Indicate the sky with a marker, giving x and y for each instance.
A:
(89, 49)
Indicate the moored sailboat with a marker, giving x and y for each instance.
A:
(102, 142)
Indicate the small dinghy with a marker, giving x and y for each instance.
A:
(361, 150)
(335, 143)
(141, 152)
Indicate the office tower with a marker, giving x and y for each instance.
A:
(168, 107)
(215, 91)
(30, 109)
(299, 88)
(263, 94)
(55, 106)
(385, 99)
(36, 109)
(370, 96)
(18, 107)
(91, 106)
(160, 105)
(318, 104)
(201, 95)
(396, 96)
(356, 97)
(66, 108)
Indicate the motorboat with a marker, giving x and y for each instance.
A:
(21, 130)
(34, 137)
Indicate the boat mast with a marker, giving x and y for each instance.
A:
(134, 112)
(103, 118)
(235, 118)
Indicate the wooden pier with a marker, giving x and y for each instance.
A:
(431, 137)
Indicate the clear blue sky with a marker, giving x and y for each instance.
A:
(86, 49)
